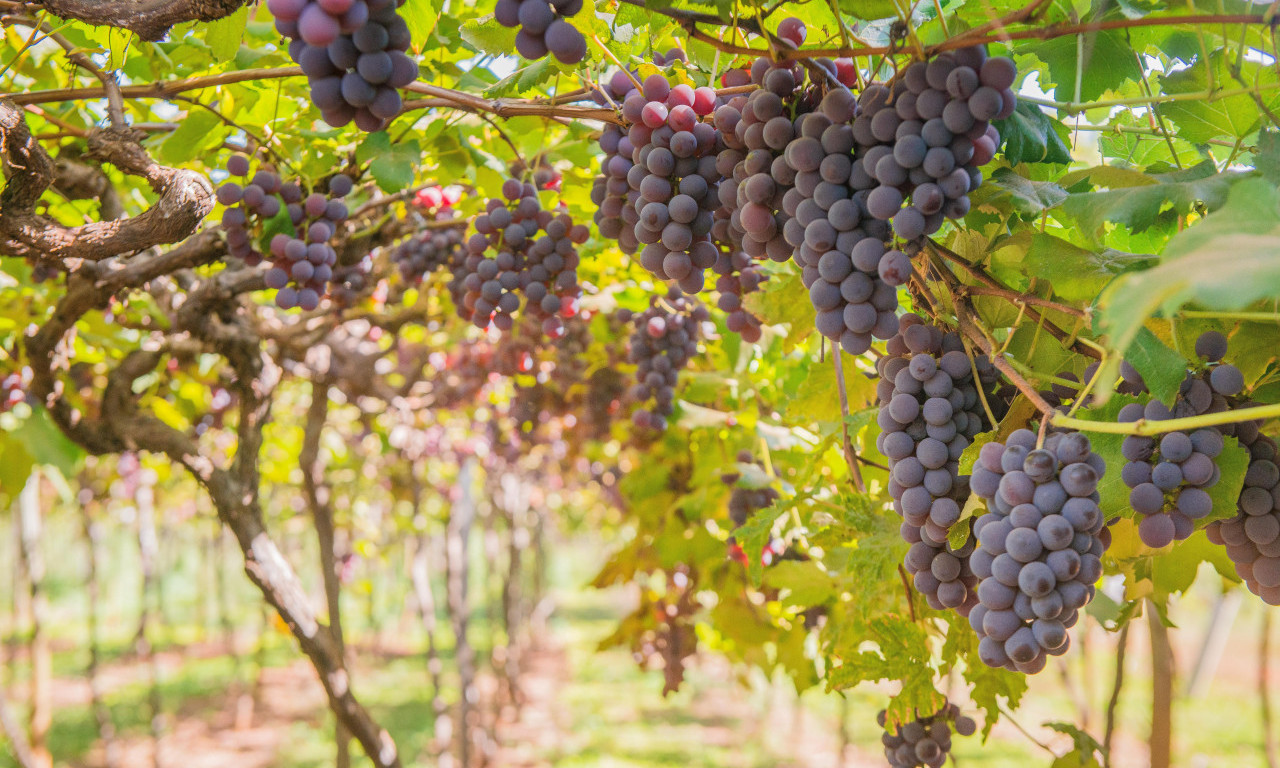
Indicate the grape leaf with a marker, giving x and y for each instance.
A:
(1225, 262)
(1104, 61)
(224, 35)
(1137, 207)
(1033, 197)
(1031, 136)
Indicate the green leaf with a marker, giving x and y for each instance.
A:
(754, 534)
(1031, 136)
(1137, 207)
(488, 36)
(224, 35)
(1104, 61)
(422, 17)
(1201, 119)
(1267, 156)
(198, 132)
(1162, 368)
(869, 10)
(1225, 262)
(1033, 197)
(523, 80)
(1076, 274)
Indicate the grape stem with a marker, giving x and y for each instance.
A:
(1145, 427)
(850, 455)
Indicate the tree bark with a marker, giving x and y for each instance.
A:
(149, 19)
(41, 712)
(458, 535)
(93, 591)
(1161, 741)
(1269, 747)
(148, 549)
(318, 500)
(17, 738)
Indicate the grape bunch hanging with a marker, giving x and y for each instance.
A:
(507, 260)
(664, 340)
(428, 251)
(302, 263)
(1252, 537)
(930, 410)
(738, 276)
(674, 171)
(925, 741)
(353, 54)
(1169, 475)
(744, 501)
(543, 28)
(1040, 545)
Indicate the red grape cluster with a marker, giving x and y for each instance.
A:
(1040, 545)
(924, 741)
(353, 54)
(543, 269)
(739, 275)
(925, 136)
(674, 171)
(665, 339)
(930, 411)
(1168, 475)
(615, 214)
(543, 28)
(1252, 537)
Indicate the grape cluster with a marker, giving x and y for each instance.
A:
(353, 54)
(350, 282)
(1168, 475)
(543, 28)
(428, 251)
(543, 269)
(924, 741)
(302, 263)
(1039, 546)
(739, 275)
(674, 170)
(925, 136)
(1252, 537)
(930, 410)
(615, 214)
(670, 57)
(846, 262)
(745, 502)
(664, 340)
(754, 133)
(260, 198)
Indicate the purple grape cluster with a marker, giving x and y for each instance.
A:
(846, 261)
(674, 171)
(924, 741)
(664, 340)
(541, 269)
(429, 250)
(350, 282)
(353, 54)
(1039, 546)
(302, 263)
(1252, 537)
(543, 28)
(615, 215)
(754, 132)
(930, 411)
(247, 204)
(1169, 475)
(924, 137)
(739, 275)
(745, 502)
